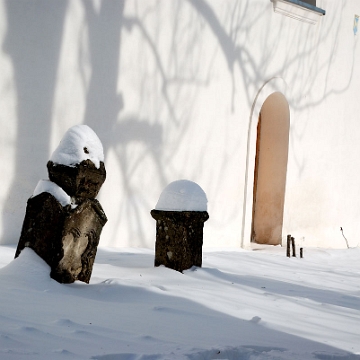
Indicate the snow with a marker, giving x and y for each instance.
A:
(182, 195)
(242, 304)
(79, 143)
(50, 187)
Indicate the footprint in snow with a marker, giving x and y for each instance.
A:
(255, 319)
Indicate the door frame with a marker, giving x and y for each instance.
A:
(274, 84)
(270, 169)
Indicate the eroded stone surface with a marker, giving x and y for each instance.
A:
(82, 181)
(80, 238)
(63, 220)
(42, 228)
(65, 238)
(179, 238)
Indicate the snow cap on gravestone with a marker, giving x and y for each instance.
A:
(182, 195)
(77, 165)
(79, 143)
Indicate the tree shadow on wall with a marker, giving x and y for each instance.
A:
(303, 59)
(146, 128)
(33, 42)
(104, 103)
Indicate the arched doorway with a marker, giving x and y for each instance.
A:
(270, 170)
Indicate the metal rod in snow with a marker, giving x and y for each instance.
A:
(347, 243)
(293, 247)
(288, 245)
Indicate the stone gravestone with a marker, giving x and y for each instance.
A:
(63, 220)
(180, 215)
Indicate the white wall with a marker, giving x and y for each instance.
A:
(323, 175)
(173, 90)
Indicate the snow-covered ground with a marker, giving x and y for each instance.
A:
(240, 305)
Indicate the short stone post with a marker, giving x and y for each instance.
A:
(63, 220)
(293, 246)
(180, 215)
(288, 242)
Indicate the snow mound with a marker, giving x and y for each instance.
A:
(56, 191)
(79, 143)
(26, 271)
(182, 195)
(132, 310)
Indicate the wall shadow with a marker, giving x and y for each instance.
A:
(33, 42)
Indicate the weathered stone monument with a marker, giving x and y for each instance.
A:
(180, 215)
(63, 220)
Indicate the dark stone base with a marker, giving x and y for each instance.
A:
(179, 238)
(65, 238)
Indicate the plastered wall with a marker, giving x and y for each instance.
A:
(174, 89)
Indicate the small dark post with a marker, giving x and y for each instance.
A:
(293, 247)
(180, 215)
(301, 253)
(179, 238)
(288, 245)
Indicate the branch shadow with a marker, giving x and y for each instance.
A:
(33, 42)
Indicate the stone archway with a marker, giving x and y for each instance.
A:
(270, 170)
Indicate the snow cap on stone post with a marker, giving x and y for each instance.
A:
(180, 214)
(182, 195)
(79, 143)
(77, 164)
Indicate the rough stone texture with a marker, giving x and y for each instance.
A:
(64, 230)
(65, 238)
(42, 228)
(80, 238)
(179, 238)
(82, 181)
